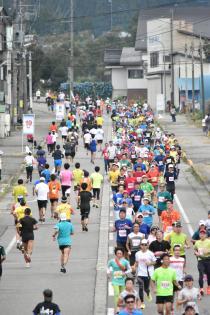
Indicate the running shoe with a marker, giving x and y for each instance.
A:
(28, 265)
(63, 270)
(86, 228)
(142, 306)
(208, 290)
(202, 292)
(149, 297)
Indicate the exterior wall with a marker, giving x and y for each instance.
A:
(136, 94)
(154, 88)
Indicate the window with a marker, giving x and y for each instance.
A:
(154, 59)
(136, 74)
(167, 58)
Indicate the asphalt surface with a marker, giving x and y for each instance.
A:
(74, 292)
(21, 288)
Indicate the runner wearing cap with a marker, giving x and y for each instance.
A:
(148, 211)
(130, 181)
(143, 228)
(170, 177)
(63, 231)
(196, 235)
(177, 237)
(122, 227)
(136, 195)
(113, 177)
(202, 252)
(189, 295)
(144, 264)
(159, 247)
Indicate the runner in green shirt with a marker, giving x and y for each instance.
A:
(163, 280)
(147, 188)
(162, 197)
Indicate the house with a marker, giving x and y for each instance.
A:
(127, 72)
(5, 72)
(154, 38)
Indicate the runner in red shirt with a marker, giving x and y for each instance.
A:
(138, 174)
(130, 181)
(153, 176)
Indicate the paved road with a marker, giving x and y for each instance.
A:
(74, 292)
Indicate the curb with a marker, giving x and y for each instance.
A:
(101, 284)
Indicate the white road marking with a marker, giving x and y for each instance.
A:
(111, 290)
(111, 224)
(110, 311)
(111, 236)
(111, 204)
(111, 214)
(184, 215)
(10, 246)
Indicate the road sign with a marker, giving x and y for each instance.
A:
(60, 111)
(28, 124)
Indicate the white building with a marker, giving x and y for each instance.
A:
(127, 72)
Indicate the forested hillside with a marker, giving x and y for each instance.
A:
(93, 15)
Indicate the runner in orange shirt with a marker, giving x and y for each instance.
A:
(53, 127)
(54, 188)
(86, 179)
(169, 216)
(153, 176)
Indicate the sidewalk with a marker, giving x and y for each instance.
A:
(12, 147)
(194, 143)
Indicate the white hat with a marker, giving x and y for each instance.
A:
(63, 216)
(170, 165)
(144, 241)
(202, 222)
(42, 179)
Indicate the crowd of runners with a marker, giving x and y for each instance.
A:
(142, 165)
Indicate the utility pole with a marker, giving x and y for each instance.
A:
(193, 78)
(14, 66)
(30, 80)
(71, 67)
(111, 14)
(186, 77)
(202, 78)
(172, 56)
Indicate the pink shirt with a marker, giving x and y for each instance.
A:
(66, 177)
(49, 139)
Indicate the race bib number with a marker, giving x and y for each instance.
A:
(161, 199)
(160, 162)
(154, 179)
(171, 179)
(122, 233)
(118, 274)
(165, 284)
(138, 179)
(130, 185)
(133, 156)
(122, 182)
(137, 198)
(136, 243)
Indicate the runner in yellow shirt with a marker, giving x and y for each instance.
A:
(64, 207)
(99, 121)
(19, 191)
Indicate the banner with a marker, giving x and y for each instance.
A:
(60, 111)
(28, 124)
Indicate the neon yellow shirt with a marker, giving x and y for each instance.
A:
(96, 179)
(78, 174)
(164, 278)
(19, 191)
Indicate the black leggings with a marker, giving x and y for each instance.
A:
(64, 189)
(143, 287)
(96, 193)
(29, 171)
(204, 268)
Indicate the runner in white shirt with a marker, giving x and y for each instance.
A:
(42, 191)
(99, 137)
(178, 264)
(145, 261)
(87, 138)
(64, 132)
(29, 162)
(111, 152)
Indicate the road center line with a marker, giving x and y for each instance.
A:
(10, 246)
